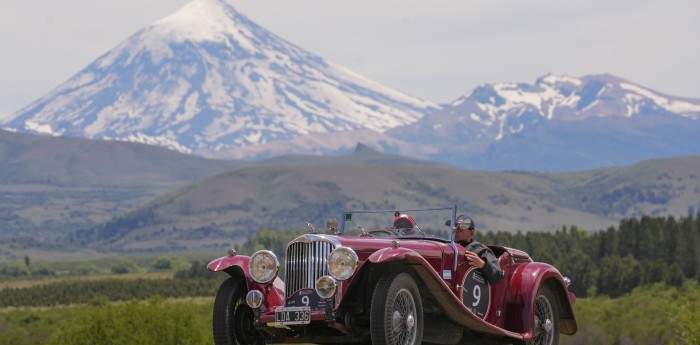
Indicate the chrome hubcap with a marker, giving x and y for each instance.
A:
(547, 325)
(410, 322)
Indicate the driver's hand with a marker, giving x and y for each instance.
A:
(474, 259)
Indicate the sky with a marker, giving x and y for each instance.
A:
(437, 50)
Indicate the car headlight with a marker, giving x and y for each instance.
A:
(342, 263)
(254, 298)
(326, 286)
(263, 266)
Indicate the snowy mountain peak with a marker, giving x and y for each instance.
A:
(208, 80)
(492, 112)
(568, 97)
(203, 20)
(559, 123)
(551, 79)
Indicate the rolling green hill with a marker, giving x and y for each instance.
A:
(287, 192)
(655, 187)
(122, 196)
(52, 185)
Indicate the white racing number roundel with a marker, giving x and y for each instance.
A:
(476, 294)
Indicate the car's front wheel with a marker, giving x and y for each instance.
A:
(396, 316)
(233, 318)
(546, 316)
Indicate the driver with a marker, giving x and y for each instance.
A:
(477, 254)
(403, 222)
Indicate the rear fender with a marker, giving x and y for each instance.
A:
(524, 285)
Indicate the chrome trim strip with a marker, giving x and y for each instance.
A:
(452, 235)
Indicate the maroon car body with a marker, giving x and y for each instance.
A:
(401, 289)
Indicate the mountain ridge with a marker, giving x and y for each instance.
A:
(208, 81)
(493, 123)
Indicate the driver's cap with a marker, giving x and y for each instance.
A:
(465, 222)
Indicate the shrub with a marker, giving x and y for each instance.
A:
(162, 264)
(124, 267)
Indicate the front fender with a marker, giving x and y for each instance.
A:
(524, 285)
(396, 254)
(237, 266)
(233, 265)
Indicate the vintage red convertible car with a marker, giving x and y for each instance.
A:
(389, 285)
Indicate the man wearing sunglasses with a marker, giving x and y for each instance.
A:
(477, 254)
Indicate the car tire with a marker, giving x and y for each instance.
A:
(233, 321)
(546, 317)
(396, 314)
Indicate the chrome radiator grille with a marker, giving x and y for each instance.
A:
(305, 262)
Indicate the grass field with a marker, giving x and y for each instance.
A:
(172, 321)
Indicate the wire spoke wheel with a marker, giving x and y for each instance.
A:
(403, 322)
(397, 312)
(543, 321)
(546, 316)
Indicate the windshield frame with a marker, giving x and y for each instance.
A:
(346, 216)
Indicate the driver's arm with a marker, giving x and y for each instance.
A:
(492, 270)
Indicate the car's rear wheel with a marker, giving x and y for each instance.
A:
(396, 316)
(546, 315)
(233, 318)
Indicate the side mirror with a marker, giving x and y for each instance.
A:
(448, 222)
(332, 226)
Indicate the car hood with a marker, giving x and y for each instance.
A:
(430, 249)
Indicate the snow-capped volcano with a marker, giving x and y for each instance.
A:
(207, 78)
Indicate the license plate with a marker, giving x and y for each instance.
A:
(292, 315)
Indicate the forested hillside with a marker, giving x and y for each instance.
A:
(615, 261)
